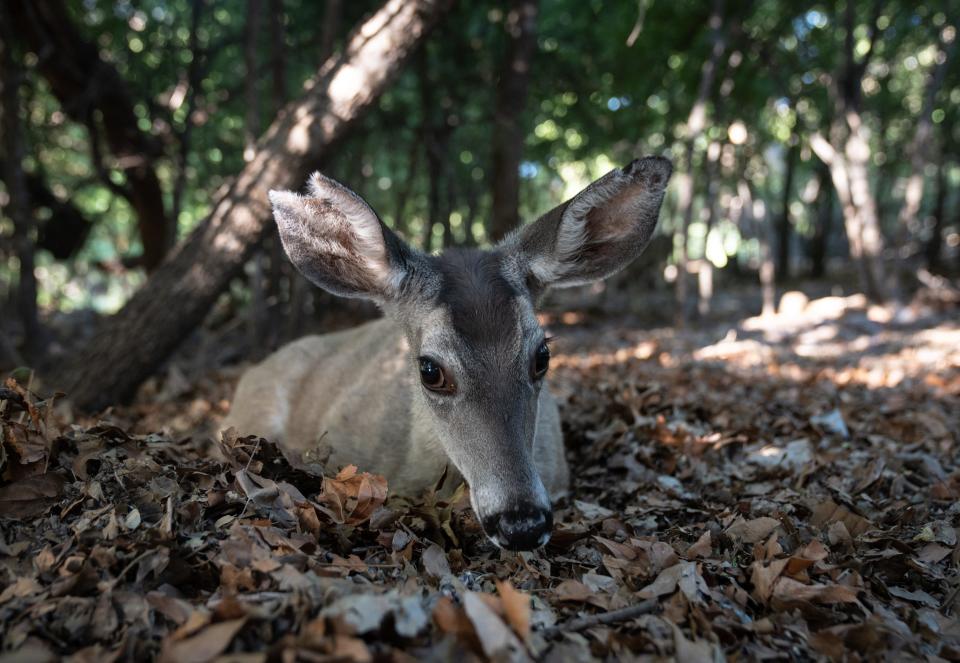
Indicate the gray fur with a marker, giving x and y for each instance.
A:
(356, 397)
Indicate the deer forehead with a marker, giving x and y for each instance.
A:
(478, 307)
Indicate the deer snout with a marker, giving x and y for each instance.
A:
(523, 528)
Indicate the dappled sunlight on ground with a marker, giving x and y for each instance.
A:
(835, 338)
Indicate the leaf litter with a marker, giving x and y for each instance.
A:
(736, 497)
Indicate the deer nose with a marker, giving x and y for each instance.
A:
(524, 528)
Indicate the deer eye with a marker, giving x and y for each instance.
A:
(541, 360)
(433, 376)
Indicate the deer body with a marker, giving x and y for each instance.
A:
(454, 374)
(298, 396)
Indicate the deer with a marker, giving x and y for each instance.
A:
(453, 375)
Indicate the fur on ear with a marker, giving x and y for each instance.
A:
(337, 241)
(599, 231)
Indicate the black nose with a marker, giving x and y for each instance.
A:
(524, 528)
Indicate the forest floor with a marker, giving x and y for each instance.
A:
(770, 488)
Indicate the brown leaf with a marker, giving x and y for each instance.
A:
(752, 531)
(917, 596)
(829, 512)
(933, 553)
(435, 561)
(763, 576)
(619, 550)
(352, 497)
(788, 590)
(701, 548)
(498, 641)
(31, 496)
(452, 619)
(516, 608)
(204, 646)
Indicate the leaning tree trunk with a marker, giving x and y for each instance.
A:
(83, 83)
(130, 345)
(507, 148)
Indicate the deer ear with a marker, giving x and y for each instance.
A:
(596, 233)
(337, 241)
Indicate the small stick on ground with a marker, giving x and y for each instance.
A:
(603, 618)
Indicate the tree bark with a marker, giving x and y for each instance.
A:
(508, 130)
(18, 205)
(330, 27)
(783, 221)
(130, 345)
(696, 121)
(762, 231)
(847, 154)
(251, 96)
(711, 186)
(85, 85)
(194, 78)
(278, 51)
(934, 244)
(824, 223)
(435, 133)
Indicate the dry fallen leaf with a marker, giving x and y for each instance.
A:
(498, 641)
(751, 531)
(516, 608)
(204, 646)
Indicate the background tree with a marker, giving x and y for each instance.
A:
(813, 139)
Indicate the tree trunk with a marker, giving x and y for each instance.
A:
(848, 170)
(84, 83)
(130, 345)
(251, 96)
(761, 230)
(847, 153)
(278, 51)
(330, 27)
(406, 188)
(508, 130)
(934, 243)
(696, 121)
(18, 204)
(919, 146)
(280, 268)
(711, 185)
(194, 77)
(783, 221)
(824, 223)
(435, 132)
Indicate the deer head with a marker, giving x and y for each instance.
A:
(477, 354)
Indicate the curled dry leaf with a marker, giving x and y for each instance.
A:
(352, 497)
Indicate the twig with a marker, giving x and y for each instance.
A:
(612, 617)
(138, 558)
(247, 467)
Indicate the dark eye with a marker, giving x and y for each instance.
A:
(541, 360)
(433, 376)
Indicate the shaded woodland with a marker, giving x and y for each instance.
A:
(763, 409)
